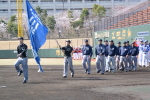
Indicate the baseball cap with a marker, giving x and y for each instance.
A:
(85, 40)
(127, 42)
(106, 41)
(111, 41)
(141, 41)
(99, 39)
(20, 38)
(68, 41)
(119, 42)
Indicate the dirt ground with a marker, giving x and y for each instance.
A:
(51, 86)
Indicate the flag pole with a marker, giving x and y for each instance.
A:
(54, 38)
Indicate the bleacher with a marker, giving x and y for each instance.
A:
(136, 18)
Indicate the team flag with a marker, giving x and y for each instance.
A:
(37, 31)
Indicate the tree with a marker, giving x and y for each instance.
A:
(50, 22)
(99, 11)
(70, 14)
(84, 15)
(2, 21)
(44, 16)
(12, 26)
(39, 10)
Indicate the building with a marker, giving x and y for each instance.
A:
(8, 7)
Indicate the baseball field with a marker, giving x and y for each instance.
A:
(51, 86)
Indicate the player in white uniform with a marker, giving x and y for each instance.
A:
(145, 50)
(140, 53)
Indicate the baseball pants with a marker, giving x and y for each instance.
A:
(145, 59)
(140, 58)
(100, 63)
(67, 62)
(134, 62)
(113, 66)
(117, 62)
(105, 63)
(88, 61)
(129, 62)
(123, 63)
(23, 62)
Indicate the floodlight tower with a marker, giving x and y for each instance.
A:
(19, 15)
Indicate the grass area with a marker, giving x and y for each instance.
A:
(44, 61)
(4, 45)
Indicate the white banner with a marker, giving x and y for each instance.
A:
(143, 33)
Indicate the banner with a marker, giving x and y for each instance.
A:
(37, 32)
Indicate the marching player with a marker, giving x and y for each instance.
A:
(140, 53)
(67, 50)
(106, 56)
(123, 52)
(100, 57)
(118, 56)
(22, 59)
(145, 49)
(129, 62)
(112, 53)
(134, 54)
(87, 54)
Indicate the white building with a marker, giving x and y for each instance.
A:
(8, 7)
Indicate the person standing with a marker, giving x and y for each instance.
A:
(106, 56)
(129, 62)
(145, 49)
(140, 53)
(134, 54)
(123, 52)
(100, 57)
(112, 53)
(118, 56)
(22, 59)
(87, 54)
(67, 50)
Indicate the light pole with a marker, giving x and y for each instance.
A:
(77, 31)
(59, 33)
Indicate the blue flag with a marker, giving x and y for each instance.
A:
(37, 31)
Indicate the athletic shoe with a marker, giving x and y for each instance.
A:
(20, 73)
(64, 76)
(86, 71)
(24, 81)
(72, 74)
(98, 71)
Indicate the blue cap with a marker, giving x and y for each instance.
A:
(111, 41)
(85, 40)
(124, 42)
(99, 39)
(68, 41)
(127, 42)
(119, 42)
(106, 41)
(20, 38)
(141, 41)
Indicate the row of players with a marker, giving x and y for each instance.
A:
(109, 57)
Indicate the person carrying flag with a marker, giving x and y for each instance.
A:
(67, 50)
